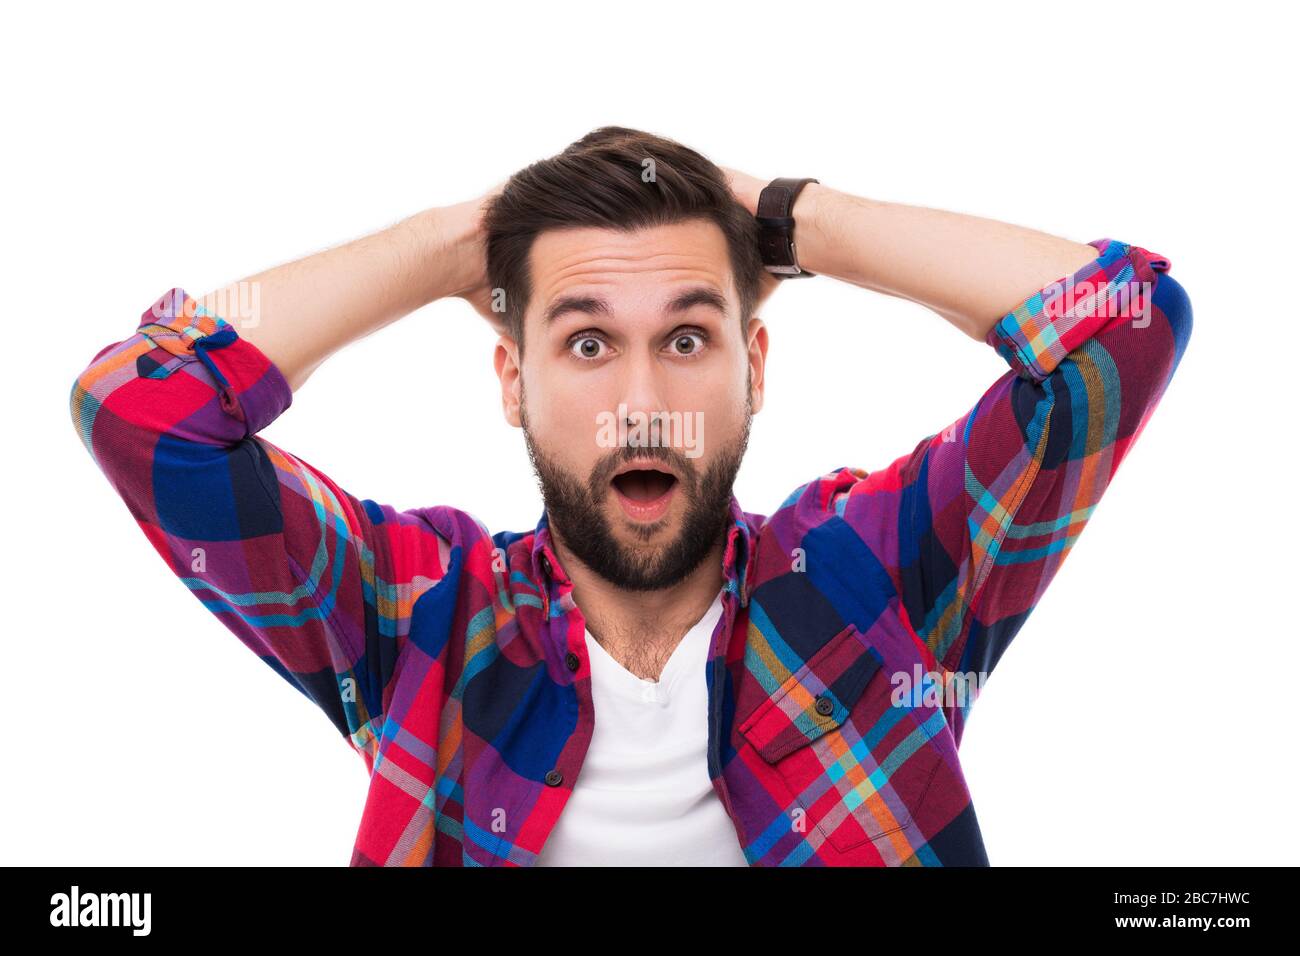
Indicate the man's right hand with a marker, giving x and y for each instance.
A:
(478, 294)
(308, 309)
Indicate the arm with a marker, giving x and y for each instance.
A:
(300, 313)
(317, 582)
(977, 519)
(970, 270)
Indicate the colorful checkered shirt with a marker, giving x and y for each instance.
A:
(453, 660)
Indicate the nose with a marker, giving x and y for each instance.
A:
(643, 399)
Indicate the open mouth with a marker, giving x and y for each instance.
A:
(644, 493)
(644, 485)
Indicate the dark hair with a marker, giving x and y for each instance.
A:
(598, 181)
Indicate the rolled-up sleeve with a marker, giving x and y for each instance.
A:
(972, 524)
(317, 582)
(993, 503)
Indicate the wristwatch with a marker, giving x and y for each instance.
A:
(776, 227)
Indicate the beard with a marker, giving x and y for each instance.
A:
(576, 511)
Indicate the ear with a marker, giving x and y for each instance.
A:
(506, 360)
(757, 339)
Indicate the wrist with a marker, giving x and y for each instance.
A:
(805, 205)
(452, 247)
(460, 224)
(809, 234)
(786, 215)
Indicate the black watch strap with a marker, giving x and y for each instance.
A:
(776, 227)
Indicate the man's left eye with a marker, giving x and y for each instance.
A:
(688, 343)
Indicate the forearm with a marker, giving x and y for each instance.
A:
(968, 269)
(300, 313)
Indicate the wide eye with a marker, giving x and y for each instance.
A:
(688, 343)
(586, 347)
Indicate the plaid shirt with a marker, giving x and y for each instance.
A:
(453, 660)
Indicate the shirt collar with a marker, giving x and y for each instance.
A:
(735, 556)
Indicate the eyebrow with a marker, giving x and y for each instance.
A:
(594, 305)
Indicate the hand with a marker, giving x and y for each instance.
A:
(746, 189)
(477, 293)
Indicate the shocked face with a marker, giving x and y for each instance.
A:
(635, 394)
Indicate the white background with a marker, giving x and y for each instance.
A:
(1145, 712)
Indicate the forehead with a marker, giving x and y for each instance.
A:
(645, 263)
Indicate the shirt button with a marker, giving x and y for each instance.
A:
(546, 564)
(571, 661)
(554, 778)
(825, 705)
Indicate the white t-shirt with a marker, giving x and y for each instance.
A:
(643, 796)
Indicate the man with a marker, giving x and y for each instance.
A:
(652, 675)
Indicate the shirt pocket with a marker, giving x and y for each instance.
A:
(859, 764)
